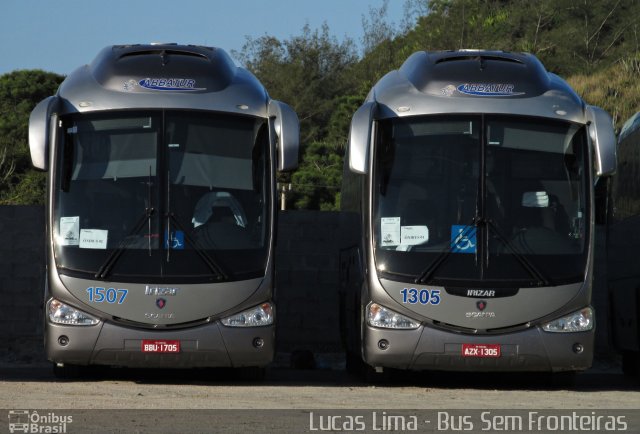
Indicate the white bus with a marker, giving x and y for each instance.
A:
(468, 188)
(160, 210)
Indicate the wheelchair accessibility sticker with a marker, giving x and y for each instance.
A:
(177, 241)
(463, 239)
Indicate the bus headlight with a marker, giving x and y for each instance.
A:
(60, 313)
(258, 316)
(378, 316)
(580, 321)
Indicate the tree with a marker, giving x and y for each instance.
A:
(20, 91)
(316, 183)
(308, 71)
(313, 73)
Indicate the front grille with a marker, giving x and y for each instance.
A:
(455, 328)
(142, 325)
(474, 331)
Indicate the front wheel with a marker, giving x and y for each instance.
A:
(251, 373)
(563, 379)
(69, 371)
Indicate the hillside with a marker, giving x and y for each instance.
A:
(616, 89)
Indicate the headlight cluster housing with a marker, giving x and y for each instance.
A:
(258, 316)
(382, 317)
(580, 321)
(61, 313)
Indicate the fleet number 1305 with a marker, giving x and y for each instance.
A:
(420, 296)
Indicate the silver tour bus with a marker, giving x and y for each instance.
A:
(468, 217)
(160, 210)
(623, 265)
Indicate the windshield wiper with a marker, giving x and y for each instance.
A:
(171, 217)
(478, 221)
(526, 263)
(111, 260)
(211, 262)
(425, 275)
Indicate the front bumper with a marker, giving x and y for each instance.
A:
(429, 348)
(207, 345)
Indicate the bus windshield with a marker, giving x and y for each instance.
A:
(162, 195)
(483, 199)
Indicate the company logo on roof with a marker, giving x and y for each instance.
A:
(164, 84)
(488, 89)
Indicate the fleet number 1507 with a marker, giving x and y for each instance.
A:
(109, 295)
(420, 296)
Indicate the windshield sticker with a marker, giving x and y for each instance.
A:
(177, 241)
(463, 239)
(93, 238)
(390, 231)
(414, 235)
(488, 89)
(70, 231)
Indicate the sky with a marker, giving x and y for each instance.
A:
(61, 35)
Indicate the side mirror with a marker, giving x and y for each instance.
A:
(287, 129)
(41, 122)
(604, 140)
(360, 137)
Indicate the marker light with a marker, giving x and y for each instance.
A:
(258, 316)
(60, 313)
(580, 321)
(378, 316)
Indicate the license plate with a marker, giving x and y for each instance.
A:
(480, 350)
(160, 346)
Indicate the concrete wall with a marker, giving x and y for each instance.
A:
(307, 284)
(306, 287)
(21, 283)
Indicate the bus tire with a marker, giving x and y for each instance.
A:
(251, 373)
(69, 371)
(563, 379)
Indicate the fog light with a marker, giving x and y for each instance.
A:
(258, 342)
(383, 344)
(63, 340)
(578, 348)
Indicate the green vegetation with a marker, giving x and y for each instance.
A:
(594, 44)
(615, 88)
(20, 91)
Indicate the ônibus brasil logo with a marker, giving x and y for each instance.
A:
(28, 421)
